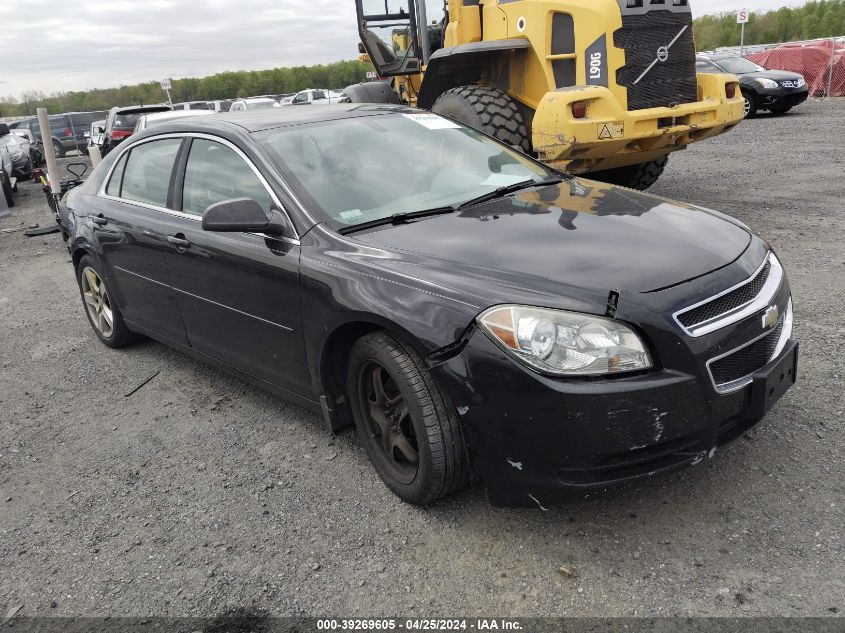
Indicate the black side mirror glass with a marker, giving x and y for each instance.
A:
(4, 129)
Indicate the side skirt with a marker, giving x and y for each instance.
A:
(290, 396)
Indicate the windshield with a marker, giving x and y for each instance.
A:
(372, 167)
(739, 65)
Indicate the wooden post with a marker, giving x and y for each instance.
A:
(53, 173)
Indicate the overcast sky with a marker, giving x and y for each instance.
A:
(60, 45)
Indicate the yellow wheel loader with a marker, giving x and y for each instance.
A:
(604, 87)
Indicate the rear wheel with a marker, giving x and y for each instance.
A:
(6, 184)
(58, 149)
(408, 427)
(103, 314)
(486, 109)
(640, 176)
(750, 107)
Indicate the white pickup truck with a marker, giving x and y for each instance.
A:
(314, 96)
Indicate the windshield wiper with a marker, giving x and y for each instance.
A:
(501, 192)
(397, 218)
(403, 218)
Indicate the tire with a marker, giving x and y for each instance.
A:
(486, 109)
(118, 335)
(640, 176)
(58, 149)
(750, 105)
(780, 109)
(413, 416)
(7, 189)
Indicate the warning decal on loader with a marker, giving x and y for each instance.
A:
(609, 131)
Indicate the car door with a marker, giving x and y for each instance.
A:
(130, 224)
(238, 293)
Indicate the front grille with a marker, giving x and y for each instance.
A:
(727, 302)
(659, 68)
(745, 361)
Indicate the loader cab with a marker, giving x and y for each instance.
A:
(389, 34)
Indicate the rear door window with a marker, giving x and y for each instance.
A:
(148, 170)
(215, 173)
(113, 188)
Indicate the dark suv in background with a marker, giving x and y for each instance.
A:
(70, 131)
(775, 90)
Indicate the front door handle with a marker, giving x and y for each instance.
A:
(99, 220)
(178, 241)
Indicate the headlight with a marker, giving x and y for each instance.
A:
(767, 83)
(566, 343)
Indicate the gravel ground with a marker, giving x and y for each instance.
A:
(199, 494)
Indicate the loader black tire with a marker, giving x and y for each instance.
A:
(486, 109)
(640, 176)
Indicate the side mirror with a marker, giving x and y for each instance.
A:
(244, 215)
(99, 130)
(4, 130)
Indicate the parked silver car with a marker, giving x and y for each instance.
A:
(18, 150)
(6, 183)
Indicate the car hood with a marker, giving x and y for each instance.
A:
(577, 234)
(777, 75)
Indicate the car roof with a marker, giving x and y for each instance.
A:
(258, 120)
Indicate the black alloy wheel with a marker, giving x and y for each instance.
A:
(408, 427)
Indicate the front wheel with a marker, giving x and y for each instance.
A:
(750, 107)
(408, 427)
(640, 176)
(58, 149)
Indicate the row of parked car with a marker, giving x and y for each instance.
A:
(123, 122)
(315, 96)
(23, 147)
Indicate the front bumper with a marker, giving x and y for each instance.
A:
(538, 440)
(783, 97)
(611, 136)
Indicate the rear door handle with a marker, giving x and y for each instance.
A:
(99, 220)
(178, 240)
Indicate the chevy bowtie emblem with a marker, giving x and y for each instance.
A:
(771, 317)
(662, 55)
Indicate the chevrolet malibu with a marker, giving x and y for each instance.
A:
(475, 315)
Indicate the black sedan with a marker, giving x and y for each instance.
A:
(775, 90)
(474, 314)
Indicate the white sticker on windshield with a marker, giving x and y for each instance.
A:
(352, 213)
(432, 121)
